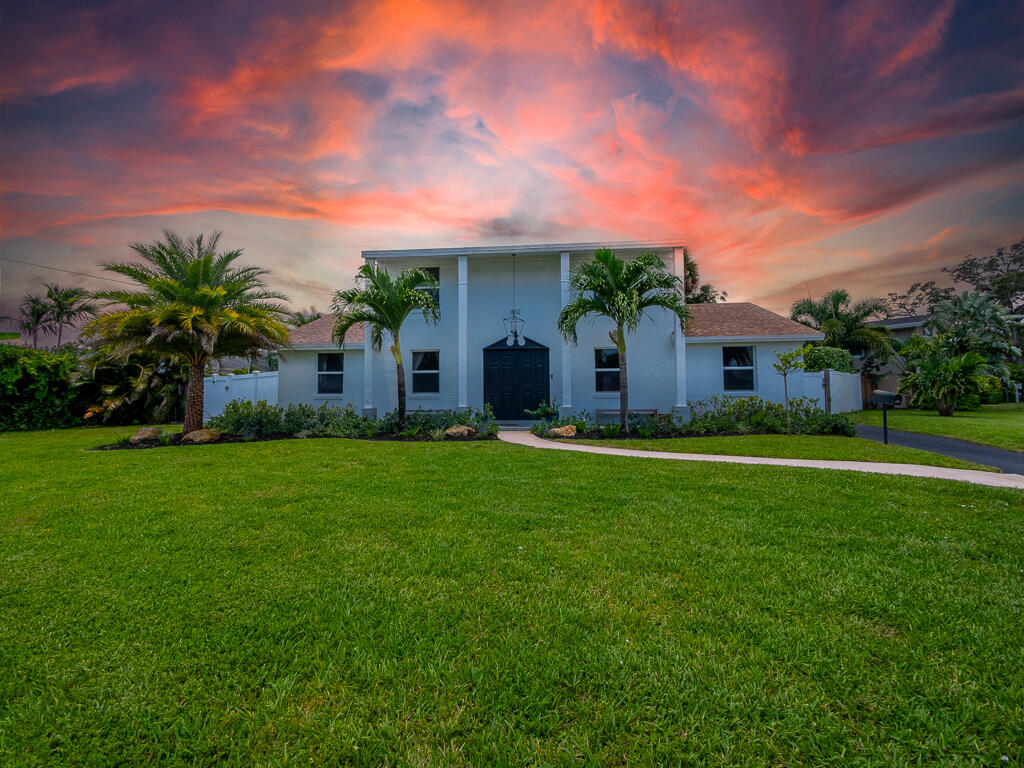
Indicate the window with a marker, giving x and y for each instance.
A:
(330, 367)
(738, 369)
(606, 370)
(434, 272)
(426, 372)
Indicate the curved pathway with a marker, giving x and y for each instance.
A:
(913, 470)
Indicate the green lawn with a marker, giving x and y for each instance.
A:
(793, 447)
(998, 425)
(371, 603)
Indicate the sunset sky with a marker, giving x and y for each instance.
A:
(863, 144)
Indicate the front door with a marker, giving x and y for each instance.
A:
(515, 378)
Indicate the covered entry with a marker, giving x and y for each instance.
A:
(515, 378)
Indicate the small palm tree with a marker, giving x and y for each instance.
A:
(937, 375)
(623, 292)
(193, 305)
(33, 316)
(382, 304)
(67, 304)
(844, 323)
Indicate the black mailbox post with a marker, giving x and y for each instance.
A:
(886, 400)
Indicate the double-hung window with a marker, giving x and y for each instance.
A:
(738, 369)
(426, 372)
(606, 369)
(330, 373)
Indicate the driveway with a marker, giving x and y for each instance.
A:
(1007, 461)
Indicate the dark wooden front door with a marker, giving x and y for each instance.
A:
(515, 378)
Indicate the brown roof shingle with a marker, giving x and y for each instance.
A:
(319, 332)
(741, 319)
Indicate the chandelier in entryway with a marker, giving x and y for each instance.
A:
(514, 322)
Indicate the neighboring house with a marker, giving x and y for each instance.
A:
(902, 329)
(466, 360)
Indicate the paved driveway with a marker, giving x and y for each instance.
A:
(1007, 461)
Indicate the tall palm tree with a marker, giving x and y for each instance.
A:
(193, 305)
(33, 316)
(844, 323)
(382, 303)
(67, 304)
(623, 292)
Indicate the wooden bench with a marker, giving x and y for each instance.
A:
(614, 412)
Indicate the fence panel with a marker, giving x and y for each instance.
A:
(220, 390)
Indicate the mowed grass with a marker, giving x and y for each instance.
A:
(370, 603)
(826, 447)
(999, 425)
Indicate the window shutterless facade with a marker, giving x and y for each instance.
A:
(330, 373)
(426, 372)
(738, 369)
(606, 369)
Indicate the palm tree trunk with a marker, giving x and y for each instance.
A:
(785, 395)
(396, 350)
(194, 400)
(60, 333)
(623, 382)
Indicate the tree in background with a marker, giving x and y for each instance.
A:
(67, 305)
(935, 377)
(304, 317)
(919, 299)
(844, 323)
(623, 292)
(193, 305)
(1001, 275)
(33, 317)
(143, 388)
(973, 322)
(695, 292)
(784, 364)
(383, 304)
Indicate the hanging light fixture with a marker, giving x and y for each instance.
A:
(514, 322)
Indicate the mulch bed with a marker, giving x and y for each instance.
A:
(175, 441)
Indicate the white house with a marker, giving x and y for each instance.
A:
(466, 360)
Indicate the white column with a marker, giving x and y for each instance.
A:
(463, 333)
(367, 372)
(680, 339)
(566, 403)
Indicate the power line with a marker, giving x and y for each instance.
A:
(69, 271)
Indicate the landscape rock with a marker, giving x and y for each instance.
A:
(145, 435)
(567, 431)
(460, 430)
(199, 436)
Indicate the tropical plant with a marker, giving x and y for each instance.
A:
(974, 322)
(828, 358)
(784, 364)
(193, 305)
(623, 292)
(33, 317)
(67, 304)
(382, 303)
(844, 322)
(304, 317)
(142, 388)
(697, 293)
(935, 376)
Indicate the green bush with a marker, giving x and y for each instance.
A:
(821, 358)
(36, 390)
(746, 415)
(243, 417)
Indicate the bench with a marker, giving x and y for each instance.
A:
(614, 413)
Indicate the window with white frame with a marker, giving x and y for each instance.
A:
(606, 369)
(738, 369)
(330, 373)
(426, 372)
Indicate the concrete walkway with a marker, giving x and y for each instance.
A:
(913, 470)
(1005, 461)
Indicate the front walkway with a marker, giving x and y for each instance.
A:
(994, 479)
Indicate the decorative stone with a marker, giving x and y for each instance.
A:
(145, 435)
(460, 430)
(199, 436)
(567, 431)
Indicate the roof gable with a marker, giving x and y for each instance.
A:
(319, 332)
(742, 319)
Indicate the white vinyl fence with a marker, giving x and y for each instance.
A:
(220, 390)
(843, 393)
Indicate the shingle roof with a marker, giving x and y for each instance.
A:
(742, 319)
(734, 319)
(319, 332)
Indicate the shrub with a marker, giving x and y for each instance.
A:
(836, 358)
(35, 389)
(544, 411)
(243, 417)
(745, 415)
(612, 430)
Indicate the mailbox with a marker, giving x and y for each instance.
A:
(884, 399)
